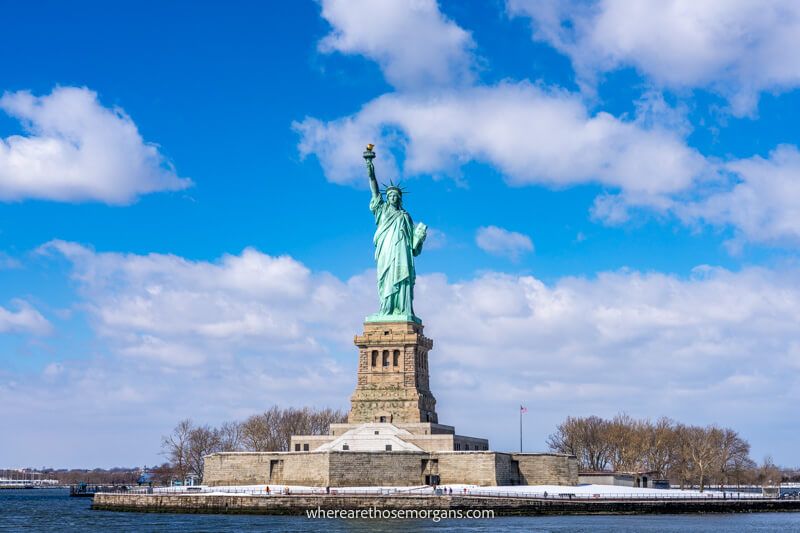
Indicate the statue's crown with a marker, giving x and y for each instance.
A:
(394, 187)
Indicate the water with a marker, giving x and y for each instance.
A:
(54, 510)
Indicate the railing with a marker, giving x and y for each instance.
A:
(428, 491)
(88, 489)
(639, 496)
(284, 491)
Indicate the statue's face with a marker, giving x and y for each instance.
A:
(394, 198)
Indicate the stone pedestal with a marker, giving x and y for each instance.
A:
(393, 384)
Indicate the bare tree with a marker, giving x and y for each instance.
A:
(585, 438)
(203, 440)
(175, 447)
(661, 446)
(688, 454)
(118, 475)
(566, 440)
(259, 432)
(291, 422)
(627, 439)
(305, 421)
(769, 474)
(272, 430)
(682, 467)
(700, 447)
(230, 437)
(734, 460)
(322, 419)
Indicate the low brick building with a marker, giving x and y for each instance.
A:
(389, 468)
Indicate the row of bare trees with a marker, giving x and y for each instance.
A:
(686, 455)
(271, 430)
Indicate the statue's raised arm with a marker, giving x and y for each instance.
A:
(369, 155)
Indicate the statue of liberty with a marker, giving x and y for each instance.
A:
(397, 242)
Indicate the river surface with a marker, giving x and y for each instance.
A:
(54, 510)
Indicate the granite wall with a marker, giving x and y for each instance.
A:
(395, 468)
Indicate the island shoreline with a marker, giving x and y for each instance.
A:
(502, 506)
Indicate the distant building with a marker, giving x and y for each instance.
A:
(146, 478)
(645, 480)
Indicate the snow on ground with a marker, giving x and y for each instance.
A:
(585, 489)
(552, 491)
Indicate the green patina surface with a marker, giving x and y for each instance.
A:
(397, 242)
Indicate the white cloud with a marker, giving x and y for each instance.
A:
(533, 135)
(25, 319)
(500, 241)
(735, 48)
(210, 340)
(77, 150)
(416, 46)
(538, 136)
(698, 330)
(190, 339)
(716, 347)
(127, 406)
(177, 312)
(714, 321)
(763, 202)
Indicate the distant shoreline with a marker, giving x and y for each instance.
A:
(52, 487)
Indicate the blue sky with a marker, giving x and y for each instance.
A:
(184, 228)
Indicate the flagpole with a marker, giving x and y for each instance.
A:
(520, 429)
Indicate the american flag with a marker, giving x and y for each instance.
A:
(523, 409)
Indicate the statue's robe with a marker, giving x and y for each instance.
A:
(395, 249)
